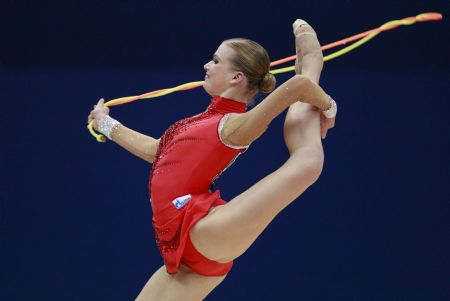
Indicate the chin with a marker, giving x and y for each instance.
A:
(205, 87)
(208, 90)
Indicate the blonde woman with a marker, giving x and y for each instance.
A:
(199, 234)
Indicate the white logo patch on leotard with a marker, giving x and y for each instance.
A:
(179, 202)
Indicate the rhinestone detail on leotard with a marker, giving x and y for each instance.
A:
(220, 128)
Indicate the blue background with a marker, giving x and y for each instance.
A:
(75, 221)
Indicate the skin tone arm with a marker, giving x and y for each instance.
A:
(142, 146)
(242, 129)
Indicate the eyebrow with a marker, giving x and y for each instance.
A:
(215, 56)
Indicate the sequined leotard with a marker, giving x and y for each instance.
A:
(190, 157)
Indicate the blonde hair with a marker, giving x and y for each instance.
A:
(252, 59)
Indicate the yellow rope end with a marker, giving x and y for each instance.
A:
(98, 137)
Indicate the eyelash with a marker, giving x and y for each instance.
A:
(215, 61)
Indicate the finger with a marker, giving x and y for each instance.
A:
(328, 123)
(331, 123)
(323, 131)
(324, 134)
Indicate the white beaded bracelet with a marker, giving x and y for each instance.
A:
(331, 112)
(107, 125)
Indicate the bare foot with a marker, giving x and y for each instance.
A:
(306, 44)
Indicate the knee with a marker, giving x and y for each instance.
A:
(307, 164)
(314, 163)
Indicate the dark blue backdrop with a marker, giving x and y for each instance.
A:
(75, 221)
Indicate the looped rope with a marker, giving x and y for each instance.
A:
(360, 39)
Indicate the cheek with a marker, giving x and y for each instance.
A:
(216, 69)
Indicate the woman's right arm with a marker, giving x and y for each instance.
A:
(145, 147)
(140, 145)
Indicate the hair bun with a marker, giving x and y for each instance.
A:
(267, 84)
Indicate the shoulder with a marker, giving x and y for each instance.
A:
(229, 130)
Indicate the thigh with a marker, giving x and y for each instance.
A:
(182, 286)
(228, 230)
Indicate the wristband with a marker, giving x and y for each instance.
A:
(107, 125)
(331, 112)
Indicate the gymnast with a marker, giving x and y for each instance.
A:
(199, 234)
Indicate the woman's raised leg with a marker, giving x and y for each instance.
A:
(183, 286)
(228, 230)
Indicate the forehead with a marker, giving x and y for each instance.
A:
(224, 51)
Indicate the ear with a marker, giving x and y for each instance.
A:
(238, 78)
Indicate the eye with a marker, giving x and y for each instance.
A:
(215, 61)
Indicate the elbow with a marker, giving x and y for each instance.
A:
(308, 91)
(145, 156)
(149, 159)
(301, 83)
(150, 151)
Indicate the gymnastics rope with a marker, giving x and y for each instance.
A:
(360, 39)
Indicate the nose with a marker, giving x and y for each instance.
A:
(206, 66)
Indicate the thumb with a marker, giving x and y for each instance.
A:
(100, 103)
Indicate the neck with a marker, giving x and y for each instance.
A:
(237, 95)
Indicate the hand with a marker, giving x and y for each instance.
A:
(99, 111)
(325, 125)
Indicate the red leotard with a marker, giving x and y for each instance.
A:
(190, 157)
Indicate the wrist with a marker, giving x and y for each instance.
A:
(107, 125)
(332, 110)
